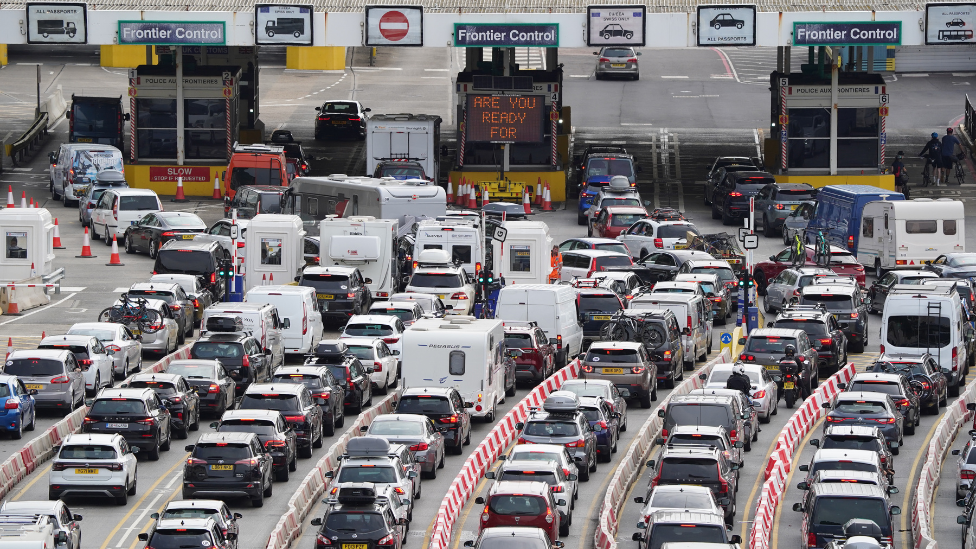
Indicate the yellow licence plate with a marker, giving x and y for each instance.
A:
(601, 317)
(34, 387)
(618, 65)
(793, 207)
(612, 370)
(680, 246)
(84, 140)
(86, 471)
(221, 467)
(789, 385)
(325, 296)
(772, 366)
(442, 296)
(187, 237)
(354, 546)
(341, 123)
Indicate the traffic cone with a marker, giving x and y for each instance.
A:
(23, 199)
(539, 193)
(86, 247)
(472, 200)
(57, 236)
(270, 279)
(547, 201)
(525, 202)
(33, 271)
(462, 194)
(31, 203)
(180, 197)
(43, 334)
(450, 190)
(264, 280)
(216, 193)
(10, 196)
(484, 196)
(115, 260)
(12, 309)
(10, 347)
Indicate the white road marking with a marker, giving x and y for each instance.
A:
(39, 309)
(964, 74)
(73, 288)
(135, 523)
(436, 70)
(674, 76)
(914, 75)
(579, 76)
(434, 77)
(176, 477)
(120, 290)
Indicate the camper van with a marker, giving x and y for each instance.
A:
(255, 165)
(524, 257)
(553, 307)
(694, 316)
(404, 137)
(457, 237)
(910, 232)
(364, 242)
(838, 213)
(459, 352)
(274, 250)
(301, 324)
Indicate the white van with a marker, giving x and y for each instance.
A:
(461, 239)
(260, 319)
(76, 165)
(274, 249)
(925, 318)
(118, 208)
(459, 352)
(554, 307)
(524, 257)
(364, 242)
(910, 232)
(694, 316)
(301, 323)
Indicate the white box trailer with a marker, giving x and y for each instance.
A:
(274, 250)
(404, 137)
(524, 257)
(461, 239)
(459, 352)
(910, 232)
(364, 242)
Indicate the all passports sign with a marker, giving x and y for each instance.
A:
(864, 33)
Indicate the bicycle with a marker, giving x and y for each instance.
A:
(960, 171)
(822, 250)
(134, 313)
(927, 171)
(798, 251)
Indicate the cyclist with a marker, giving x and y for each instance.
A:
(932, 152)
(949, 144)
(901, 176)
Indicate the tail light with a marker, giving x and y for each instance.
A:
(724, 488)
(850, 242)
(559, 342)
(735, 194)
(176, 307)
(195, 461)
(902, 402)
(295, 419)
(148, 421)
(377, 366)
(658, 242)
(63, 466)
(812, 539)
(176, 400)
(882, 349)
(557, 489)
(275, 444)
(304, 318)
(967, 475)
(667, 356)
(388, 540)
(733, 435)
(854, 315)
(759, 394)
(240, 244)
(390, 340)
(780, 207)
(632, 60)
(603, 425)
(832, 419)
(351, 384)
(637, 369)
(749, 358)
(115, 209)
(581, 443)
(85, 362)
(419, 447)
(321, 538)
(484, 515)
(213, 278)
(115, 348)
(356, 119)
(245, 363)
(589, 273)
(60, 379)
(399, 491)
(656, 479)
(251, 462)
(566, 471)
(90, 420)
(325, 395)
(450, 419)
(350, 295)
(112, 466)
(214, 388)
(664, 434)
(955, 359)
(549, 516)
(689, 321)
(587, 369)
(885, 420)
(459, 295)
(825, 342)
(523, 441)
(11, 405)
(170, 233)
(604, 60)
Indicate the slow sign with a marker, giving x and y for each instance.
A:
(505, 118)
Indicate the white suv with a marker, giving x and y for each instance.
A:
(386, 327)
(436, 275)
(94, 465)
(119, 208)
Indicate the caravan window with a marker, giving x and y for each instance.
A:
(919, 331)
(521, 259)
(949, 226)
(920, 227)
(455, 363)
(867, 227)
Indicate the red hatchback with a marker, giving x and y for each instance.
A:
(538, 359)
(520, 503)
(614, 220)
(841, 262)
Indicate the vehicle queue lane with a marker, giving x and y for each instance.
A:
(942, 519)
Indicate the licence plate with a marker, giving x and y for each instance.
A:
(789, 385)
(341, 123)
(31, 387)
(86, 471)
(772, 366)
(325, 296)
(618, 65)
(84, 140)
(442, 296)
(601, 317)
(680, 246)
(793, 206)
(187, 237)
(221, 467)
(612, 370)
(354, 546)
(117, 425)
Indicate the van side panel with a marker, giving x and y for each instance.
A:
(838, 213)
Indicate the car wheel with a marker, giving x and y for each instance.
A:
(123, 499)
(737, 25)
(718, 26)
(342, 417)
(715, 213)
(877, 269)
(196, 420)
(669, 383)
(293, 464)
(19, 433)
(154, 453)
(318, 443)
(766, 306)
(132, 489)
(169, 439)
(645, 401)
(910, 428)
(152, 249)
(281, 474)
(760, 282)
(328, 425)
(33, 423)
(108, 237)
(895, 451)
(64, 198)
(768, 229)
(593, 462)
(258, 501)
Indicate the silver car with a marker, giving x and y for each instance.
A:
(678, 497)
(54, 374)
(416, 431)
(166, 339)
(786, 287)
(179, 303)
(617, 61)
(57, 513)
(94, 358)
(106, 179)
(545, 452)
(965, 466)
(430, 303)
(118, 338)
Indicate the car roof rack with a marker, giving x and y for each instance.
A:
(367, 446)
(820, 307)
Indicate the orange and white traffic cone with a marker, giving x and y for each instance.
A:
(484, 196)
(180, 197)
(539, 192)
(10, 196)
(86, 247)
(10, 347)
(31, 203)
(264, 280)
(547, 200)
(450, 191)
(12, 309)
(525, 202)
(23, 199)
(216, 193)
(472, 199)
(462, 195)
(43, 334)
(115, 260)
(33, 271)
(57, 236)
(270, 279)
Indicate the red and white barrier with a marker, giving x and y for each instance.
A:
(628, 471)
(781, 459)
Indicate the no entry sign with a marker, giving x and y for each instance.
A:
(394, 26)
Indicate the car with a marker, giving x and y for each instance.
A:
(194, 289)
(176, 394)
(725, 20)
(127, 347)
(827, 507)
(416, 431)
(718, 267)
(965, 466)
(436, 275)
(18, 405)
(561, 485)
(647, 235)
(851, 477)
(705, 409)
(767, 346)
(703, 435)
(387, 328)
(118, 208)
(626, 284)
(443, 406)
(663, 343)
(546, 452)
(193, 257)
(561, 422)
(731, 197)
(105, 179)
(301, 411)
(613, 220)
(55, 374)
(705, 466)
(385, 361)
(958, 264)
(927, 380)
(179, 303)
(716, 291)
(275, 434)
(341, 117)
(596, 304)
(501, 537)
(58, 515)
(138, 414)
(724, 165)
(507, 210)
(796, 222)
(750, 412)
(784, 289)
(604, 389)
(347, 369)
(675, 497)
(374, 460)
(603, 160)
(94, 465)
(537, 360)
(154, 229)
(859, 407)
(215, 387)
(323, 385)
(584, 263)
(763, 388)
(841, 262)
(521, 503)
(294, 153)
(627, 365)
(858, 437)
(400, 170)
(956, 22)
(617, 60)
(166, 339)
(822, 330)
(221, 231)
(588, 243)
(196, 531)
(842, 460)
(431, 305)
(881, 287)
(95, 360)
(588, 194)
(407, 311)
(896, 385)
(776, 201)
(617, 191)
(75, 165)
(207, 473)
(358, 515)
(667, 262)
(844, 302)
(341, 291)
(200, 509)
(605, 423)
(240, 355)
(249, 201)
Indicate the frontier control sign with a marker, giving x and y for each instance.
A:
(865, 33)
(172, 33)
(469, 35)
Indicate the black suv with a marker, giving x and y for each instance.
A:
(663, 344)
(360, 518)
(845, 303)
(828, 506)
(923, 373)
(239, 353)
(897, 387)
(275, 434)
(608, 160)
(177, 394)
(323, 385)
(723, 165)
(195, 257)
(858, 437)
(136, 414)
(251, 200)
(596, 306)
(341, 291)
(228, 464)
(701, 465)
(348, 370)
(730, 199)
(822, 330)
(445, 407)
(561, 422)
(294, 401)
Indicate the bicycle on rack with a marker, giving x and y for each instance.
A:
(622, 327)
(798, 251)
(134, 313)
(822, 250)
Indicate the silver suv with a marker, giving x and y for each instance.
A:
(626, 365)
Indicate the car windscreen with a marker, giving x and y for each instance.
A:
(625, 220)
(848, 442)
(612, 356)
(399, 172)
(190, 513)
(592, 414)
(397, 428)
(813, 328)
(270, 401)
(168, 297)
(689, 439)
(368, 330)
(962, 261)
(699, 414)
(530, 476)
(722, 374)
(95, 118)
(681, 500)
(256, 426)
(98, 333)
(836, 511)
(191, 371)
(876, 386)
(436, 280)
(860, 407)
(676, 231)
(241, 176)
(919, 331)
(118, 407)
(510, 542)
(769, 344)
(842, 258)
(685, 533)
(517, 504)
(843, 465)
(268, 203)
(326, 282)
(543, 428)
(355, 473)
(794, 194)
(180, 539)
(608, 247)
(724, 274)
(609, 166)
(688, 469)
(78, 451)
(80, 351)
(529, 455)
(618, 52)
(362, 352)
(599, 303)
(424, 404)
(613, 261)
(138, 202)
(833, 302)
(360, 522)
(518, 341)
(215, 349)
(226, 451)
(402, 314)
(162, 388)
(183, 221)
(620, 201)
(185, 262)
(586, 390)
(340, 107)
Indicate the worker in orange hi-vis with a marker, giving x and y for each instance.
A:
(557, 265)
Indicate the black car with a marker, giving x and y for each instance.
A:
(844, 302)
(896, 386)
(295, 401)
(341, 118)
(858, 437)
(702, 465)
(239, 353)
(924, 373)
(228, 464)
(341, 291)
(959, 264)
(323, 385)
(346, 369)
(725, 20)
(825, 334)
(251, 200)
(136, 414)
(293, 151)
(215, 388)
(730, 200)
(179, 397)
(276, 435)
(879, 290)
(157, 228)
(723, 165)
(400, 169)
(669, 261)
(827, 507)
(359, 518)
(596, 305)
(445, 407)
(194, 257)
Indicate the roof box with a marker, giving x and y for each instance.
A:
(357, 493)
(434, 257)
(368, 446)
(561, 402)
(619, 183)
(355, 248)
(862, 527)
(331, 347)
(225, 323)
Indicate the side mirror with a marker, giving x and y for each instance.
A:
(237, 516)
(316, 521)
(596, 53)
(955, 452)
(469, 543)
(76, 517)
(368, 280)
(62, 537)
(329, 474)
(895, 510)
(318, 109)
(214, 424)
(651, 463)
(686, 331)
(637, 535)
(109, 352)
(892, 490)
(798, 507)
(947, 372)
(188, 447)
(154, 516)
(134, 449)
(742, 341)
(661, 413)
(518, 425)
(971, 406)
(702, 377)
(412, 474)
(659, 441)
(144, 536)
(825, 405)
(734, 466)
(231, 536)
(894, 444)
(735, 539)
(367, 109)
(558, 544)
(89, 402)
(286, 323)
(490, 475)
(32, 392)
(961, 519)
(803, 486)
(769, 324)
(571, 477)
(815, 442)
(364, 428)
(804, 467)
(479, 500)
(961, 502)
(639, 499)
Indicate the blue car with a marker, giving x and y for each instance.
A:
(605, 423)
(588, 194)
(17, 413)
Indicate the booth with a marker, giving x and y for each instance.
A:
(28, 239)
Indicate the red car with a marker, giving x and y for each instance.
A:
(520, 503)
(538, 360)
(841, 262)
(614, 220)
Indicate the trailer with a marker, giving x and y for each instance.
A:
(910, 232)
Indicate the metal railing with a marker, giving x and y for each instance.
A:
(55, 277)
(970, 120)
(30, 140)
